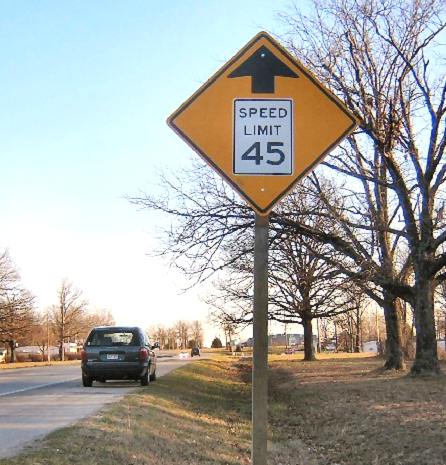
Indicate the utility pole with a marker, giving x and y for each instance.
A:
(48, 356)
(286, 337)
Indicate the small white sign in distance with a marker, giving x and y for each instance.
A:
(263, 136)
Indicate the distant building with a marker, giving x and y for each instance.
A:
(370, 346)
(296, 340)
(35, 350)
(70, 348)
(284, 340)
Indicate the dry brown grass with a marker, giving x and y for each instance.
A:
(348, 411)
(341, 410)
(11, 366)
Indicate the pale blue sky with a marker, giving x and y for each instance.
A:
(85, 89)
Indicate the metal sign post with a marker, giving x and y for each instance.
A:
(260, 355)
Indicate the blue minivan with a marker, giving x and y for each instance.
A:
(117, 352)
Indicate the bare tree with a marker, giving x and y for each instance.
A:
(160, 334)
(196, 331)
(41, 335)
(302, 287)
(441, 312)
(358, 305)
(182, 329)
(68, 316)
(352, 322)
(208, 217)
(17, 315)
(171, 335)
(345, 236)
(305, 286)
(379, 57)
(225, 312)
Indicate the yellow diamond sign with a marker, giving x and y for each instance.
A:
(262, 121)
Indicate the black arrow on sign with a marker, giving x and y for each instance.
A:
(263, 66)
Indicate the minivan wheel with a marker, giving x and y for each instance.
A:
(145, 379)
(87, 381)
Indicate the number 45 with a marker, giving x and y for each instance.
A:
(271, 148)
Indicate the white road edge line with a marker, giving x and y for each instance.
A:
(38, 386)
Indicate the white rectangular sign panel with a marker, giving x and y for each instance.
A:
(263, 136)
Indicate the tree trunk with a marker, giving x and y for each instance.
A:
(12, 349)
(61, 351)
(394, 352)
(404, 336)
(351, 342)
(426, 359)
(62, 335)
(444, 329)
(308, 340)
(358, 331)
(336, 336)
(286, 337)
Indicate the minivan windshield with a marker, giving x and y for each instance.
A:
(111, 338)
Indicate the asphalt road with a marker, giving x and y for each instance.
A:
(36, 401)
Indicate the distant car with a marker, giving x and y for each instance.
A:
(117, 352)
(3, 353)
(195, 351)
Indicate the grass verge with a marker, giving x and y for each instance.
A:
(12, 366)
